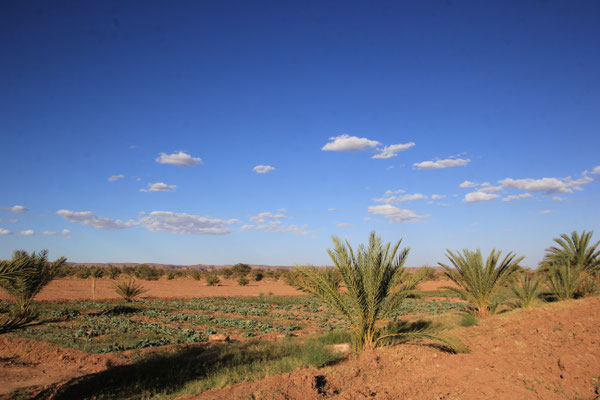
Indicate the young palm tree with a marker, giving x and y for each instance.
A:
(33, 273)
(129, 290)
(574, 250)
(565, 280)
(375, 283)
(478, 283)
(527, 288)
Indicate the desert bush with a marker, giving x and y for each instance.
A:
(129, 290)
(243, 281)
(565, 280)
(376, 284)
(429, 273)
(146, 272)
(82, 272)
(257, 275)
(96, 272)
(113, 272)
(195, 274)
(468, 319)
(226, 272)
(527, 289)
(25, 276)
(479, 283)
(170, 275)
(212, 279)
(241, 269)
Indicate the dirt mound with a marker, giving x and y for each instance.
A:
(551, 352)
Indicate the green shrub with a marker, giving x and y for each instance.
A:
(113, 272)
(527, 289)
(241, 269)
(257, 274)
(129, 291)
(195, 274)
(170, 275)
(212, 279)
(565, 280)
(146, 272)
(468, 319)
(243, 281)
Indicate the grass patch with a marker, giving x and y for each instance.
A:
(467, 320)
(197, 369)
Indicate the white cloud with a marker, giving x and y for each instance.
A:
(438, 196)
(475, 223)
(4, 231)
(348, 143)
(438, 164)
(90, 219)
(65, 231)
(596, 170)
(480, 196)
(263, 216)
(389, 192)
(159, 187)
(396, 215)
(18, 209)
(10, 220)
(547, 185)
(116, 177)
(50, 233)
(277, 226)
(366, 219)
(487, 188)
(517, 197)
(185, 224)
(546, 212)
(393, 150)
(468, 184)
(180, 159)
(558, 198)
(344, 225)
(28, 232)
(263, 169)
(400, 199)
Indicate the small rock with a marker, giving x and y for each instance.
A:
(341, 348)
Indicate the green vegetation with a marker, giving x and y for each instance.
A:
(212, 279)
(129, 291)
(527, 289)
(24, 277)
(243, 281)
(480, 283)
(376, 285)
(574, 251)
(468, 319)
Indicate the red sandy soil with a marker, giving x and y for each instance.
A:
(550, 352)
(81, 289)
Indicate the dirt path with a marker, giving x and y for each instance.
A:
(551, 352)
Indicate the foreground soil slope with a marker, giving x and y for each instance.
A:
(551, 352)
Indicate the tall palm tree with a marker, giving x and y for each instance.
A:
(574, 250)
(374, 284)
(479, 283)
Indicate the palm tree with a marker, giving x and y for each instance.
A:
(527, 288)
(129, 290)
(375, 283)
(574, 250)
(30, 274)
(479, 283)
(565, 280)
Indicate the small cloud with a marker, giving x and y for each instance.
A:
(517, 197)
(18, 209)
(267, 215)
(10, 220)
(116, 177)
(596, 170)
(480, 196)
(138, 179)
(547, 185)
(277, 226)
(135, 146)
(396, 215)
(439, 164)
(367, 219)
(546, 212)
(186, 224)
(28, 232)
(159, 187)
(50, 233)
(558, 198)
(263, 169)
(438, 196)
(348, 143)
(65, 232)
(389, 167)
(4, 231)
(392, 150)
(468, 184)
(390, 192)
(344, 225)
(507, 230)
(90, 219)
(475, 223)
(400, 199)
(180, 159)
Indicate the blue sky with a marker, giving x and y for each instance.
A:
(223, 132)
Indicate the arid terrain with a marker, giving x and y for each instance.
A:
(547, 352)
